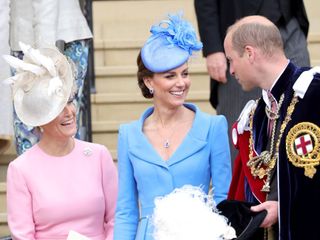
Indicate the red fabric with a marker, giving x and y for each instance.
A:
(241, 170)
(236, 190)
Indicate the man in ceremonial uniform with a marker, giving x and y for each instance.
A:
(215, 16)
(278, 135)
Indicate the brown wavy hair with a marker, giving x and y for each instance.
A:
(142, 73)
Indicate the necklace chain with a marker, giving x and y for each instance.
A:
(166, 143)
(263, 165)
(171, 130)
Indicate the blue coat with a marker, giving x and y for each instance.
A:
(144, 175)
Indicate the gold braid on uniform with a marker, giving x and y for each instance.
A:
(261, 166)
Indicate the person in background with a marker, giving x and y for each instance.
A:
(215, 16)
(6, 128)
(173, 143)
(277, 135)
(42, 23)
(61, 183)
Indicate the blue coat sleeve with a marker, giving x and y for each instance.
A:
(127, 211)
(220, 158)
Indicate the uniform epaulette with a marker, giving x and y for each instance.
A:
(242, 124)
(243, 120)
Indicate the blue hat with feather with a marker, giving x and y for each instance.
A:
(170, 45)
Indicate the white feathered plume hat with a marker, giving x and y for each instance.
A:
(188, 213)
(42, 85)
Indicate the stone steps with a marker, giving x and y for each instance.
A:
(314, 47)
(122, 79)
(4, 230)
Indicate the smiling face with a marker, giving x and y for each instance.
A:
(64, 125)
(240, 65)
(170, 88)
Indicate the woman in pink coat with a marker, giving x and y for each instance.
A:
(61, 183)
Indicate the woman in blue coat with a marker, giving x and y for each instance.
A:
(173, 143)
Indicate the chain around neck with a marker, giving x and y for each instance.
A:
(261, 166)
(166, 139)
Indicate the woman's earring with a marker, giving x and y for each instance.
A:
(41, 129)
(151, 90)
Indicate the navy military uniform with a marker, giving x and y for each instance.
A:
(295, 174)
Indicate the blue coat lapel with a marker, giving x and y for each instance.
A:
(139, 146)
(195, 140)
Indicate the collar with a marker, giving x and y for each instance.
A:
(265, 92)
(266, 98)
(195, 140)
(260, 121)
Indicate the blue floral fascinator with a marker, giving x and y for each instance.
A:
(170, 45)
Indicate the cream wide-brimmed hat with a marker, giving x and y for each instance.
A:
(42, 85)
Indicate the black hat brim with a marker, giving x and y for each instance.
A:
(245, 222)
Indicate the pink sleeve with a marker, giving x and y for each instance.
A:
(110, 187)
(19, 205)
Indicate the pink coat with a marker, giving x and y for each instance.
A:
(49, 196)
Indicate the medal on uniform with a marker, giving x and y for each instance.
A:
(302, 147)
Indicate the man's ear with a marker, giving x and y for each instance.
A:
(249, 52)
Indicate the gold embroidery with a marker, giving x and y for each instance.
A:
(262, 166)
(302, 146)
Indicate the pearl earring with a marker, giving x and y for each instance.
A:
(151, 90)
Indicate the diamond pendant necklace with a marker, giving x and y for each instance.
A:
(170, 130)
(166, 143)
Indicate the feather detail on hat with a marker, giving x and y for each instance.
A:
(20, 65)
(170, 45)
(34, 55)
(42, 84)
(33, 63)
(178, 32)
(187, 214)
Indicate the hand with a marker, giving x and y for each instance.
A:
(217, 66)
(272, 215)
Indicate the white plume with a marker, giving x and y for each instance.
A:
(188, 214)
(10, 80)
(20, 65)
(35, 56)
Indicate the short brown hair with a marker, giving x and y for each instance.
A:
(142, 73)
(266, 37)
